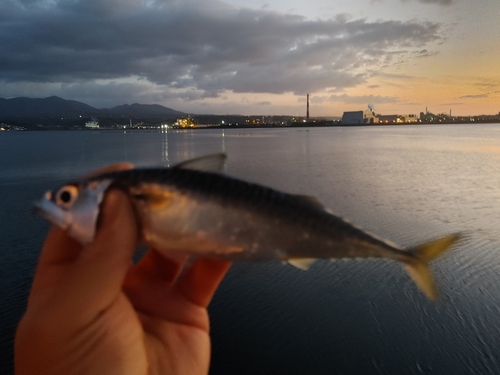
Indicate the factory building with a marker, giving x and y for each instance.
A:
(184, 122)
(368, 117)
(353, 118)
(359, 117)
(389, 119)
(398, 119)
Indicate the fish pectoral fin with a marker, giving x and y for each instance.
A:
(153, 194)
(302, 263)
(208, 163)
(418, 267)
(311, 200)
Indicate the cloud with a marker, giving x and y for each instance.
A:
(488, 84)
(193, 49)
(394, 76)
(438, 2)
(360, 99)
(479, 96)
(425, 53)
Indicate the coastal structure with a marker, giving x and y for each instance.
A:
(353, 118)
(92, 124)
(360, 117)
(184, 122)
(368, 117)
(389, 119)
(307, 113)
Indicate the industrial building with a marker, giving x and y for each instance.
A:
(360, 117)
(353, 118)
(369, 117)
(184, 122)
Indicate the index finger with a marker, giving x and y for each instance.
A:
(109, 168)
(200, 281)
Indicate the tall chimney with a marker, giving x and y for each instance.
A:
(307, 115)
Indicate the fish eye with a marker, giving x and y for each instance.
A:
(66, 196)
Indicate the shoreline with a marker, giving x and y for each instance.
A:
(244, 126)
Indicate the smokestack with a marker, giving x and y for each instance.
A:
(307, 115)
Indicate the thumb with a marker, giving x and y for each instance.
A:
(102, 264)
(95, 278)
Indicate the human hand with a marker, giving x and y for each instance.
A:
(91, 311)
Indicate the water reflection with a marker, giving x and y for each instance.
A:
(223, 141)
(164, 154)
(182, 144)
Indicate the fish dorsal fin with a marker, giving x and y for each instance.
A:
(208, 163)
(311, 200)
(302, 263)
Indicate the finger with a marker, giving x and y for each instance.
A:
(109, 168)
(58, 252)
(147, 284)
(200, 281)
(58, 249)
(103, 264)
(157, 268)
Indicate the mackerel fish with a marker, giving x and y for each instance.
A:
(193, 208)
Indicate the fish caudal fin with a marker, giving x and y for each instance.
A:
(418, 267)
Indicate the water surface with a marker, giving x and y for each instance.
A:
(408, 184)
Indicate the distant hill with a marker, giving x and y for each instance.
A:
(143, 109)
(52, 106)
(55, 106)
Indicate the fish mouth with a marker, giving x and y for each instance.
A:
(51, 212)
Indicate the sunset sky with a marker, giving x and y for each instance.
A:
(256, 58)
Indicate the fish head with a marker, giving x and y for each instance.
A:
(75, 208)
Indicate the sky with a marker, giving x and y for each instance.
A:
(257, 57)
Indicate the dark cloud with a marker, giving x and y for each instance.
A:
(194, 49)
(479, 96)
(394, 76)
(438, 2)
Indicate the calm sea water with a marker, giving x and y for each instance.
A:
(407, 184)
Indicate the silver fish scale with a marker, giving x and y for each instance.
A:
(232, 192)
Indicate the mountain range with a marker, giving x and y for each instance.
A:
(58, 107)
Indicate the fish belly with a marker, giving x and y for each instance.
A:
(207, 228)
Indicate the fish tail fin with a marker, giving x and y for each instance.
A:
(418, 266)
